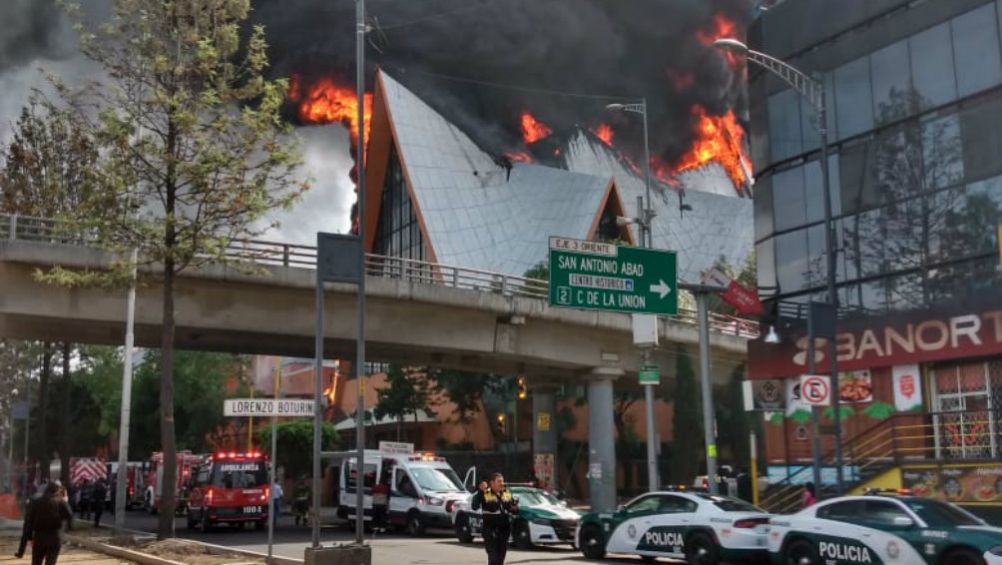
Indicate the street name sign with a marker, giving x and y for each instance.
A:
(602, 276)
(287, 408)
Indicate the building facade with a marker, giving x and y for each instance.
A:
(914, 92)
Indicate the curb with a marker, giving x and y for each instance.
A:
(147, 559)
(222, 550)
(120, 552)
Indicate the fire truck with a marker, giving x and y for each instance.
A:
(134, 490)
(230, 488)
(187, 462)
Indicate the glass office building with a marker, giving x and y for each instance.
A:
(914, 98)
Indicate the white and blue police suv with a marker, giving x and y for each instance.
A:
(880, 530)
(701, 528)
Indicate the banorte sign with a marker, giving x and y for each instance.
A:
(895, 342)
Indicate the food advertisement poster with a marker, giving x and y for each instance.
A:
(907, 388)
(956, 483)
(855, 386)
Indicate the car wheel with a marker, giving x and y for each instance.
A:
(801, 552)
(463, 531)
(415, 527)
(701, 550)
(962, 557)
(522, 535)
(592, 542)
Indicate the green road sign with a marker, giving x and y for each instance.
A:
(649, 375)
(602, 276)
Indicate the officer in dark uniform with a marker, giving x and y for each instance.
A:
(42, 523)
(497, 507)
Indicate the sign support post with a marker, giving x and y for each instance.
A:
(273, 511)
(815, 424)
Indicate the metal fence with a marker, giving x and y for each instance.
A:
(258, 252)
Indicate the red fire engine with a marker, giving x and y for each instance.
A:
(187, 462)
(230, 488)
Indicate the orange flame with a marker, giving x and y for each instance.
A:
(721, 27)
(605, 133)
(533, 130)
(325, 103)
(718, 138)
(331, 391)
(519, 157)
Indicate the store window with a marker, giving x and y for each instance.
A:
(892, 83)
(942, 151)
(981, 138)
(976, 50)
(932, 66)
(788, 198)
(398, 233)
(784, 125)
(854, 97)
(966, 410)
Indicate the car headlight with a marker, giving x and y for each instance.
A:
(435, 501)
(542, 521)
(997, 550)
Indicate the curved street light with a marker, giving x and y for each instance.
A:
(813, 91)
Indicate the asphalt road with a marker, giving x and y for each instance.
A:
(387, 549)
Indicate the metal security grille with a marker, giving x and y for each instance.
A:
(967, 410)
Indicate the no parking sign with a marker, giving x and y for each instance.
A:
(816, 390)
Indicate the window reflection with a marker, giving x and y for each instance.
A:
(854, 93)
(976, 50)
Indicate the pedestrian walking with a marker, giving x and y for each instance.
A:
(810, 495)
(86, 490)
(276, 497)
(497, 506)
(42, 525)
(98, 497)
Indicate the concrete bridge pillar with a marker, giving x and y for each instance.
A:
(544, 435)
(601, 439)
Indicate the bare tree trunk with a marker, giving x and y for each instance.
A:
(44, 461)
(64, 420)
(168, 498)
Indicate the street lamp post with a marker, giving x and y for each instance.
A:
(814, 91)
(10, 441)
(647, 240)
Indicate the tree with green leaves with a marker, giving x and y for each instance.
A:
(465, 390)
(193, 153)
(686, 417)
(295, 444)
(405, 393)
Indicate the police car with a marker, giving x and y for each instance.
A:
(542, 519)
(880, 530)
(701, 528)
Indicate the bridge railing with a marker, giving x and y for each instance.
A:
(259, 252)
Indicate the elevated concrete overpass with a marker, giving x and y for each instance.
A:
(419, 313)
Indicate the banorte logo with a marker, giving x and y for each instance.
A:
(820, 346)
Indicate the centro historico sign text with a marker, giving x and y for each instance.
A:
(863, 345)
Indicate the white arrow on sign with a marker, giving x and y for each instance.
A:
(661, 289)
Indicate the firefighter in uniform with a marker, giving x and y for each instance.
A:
(497, 506)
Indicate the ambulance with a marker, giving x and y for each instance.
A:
(229, 488)
(423, 488)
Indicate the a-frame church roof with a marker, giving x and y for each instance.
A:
(473, 212)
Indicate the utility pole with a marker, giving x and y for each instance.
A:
(122, 480)
(360, 339)
(702, 292)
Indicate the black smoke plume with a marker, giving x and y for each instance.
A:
(625, 48)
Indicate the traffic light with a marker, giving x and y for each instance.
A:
(523, 392)
(501, 426)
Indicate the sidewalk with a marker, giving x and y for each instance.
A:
(8, 545)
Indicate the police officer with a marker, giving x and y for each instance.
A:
(497, 507)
